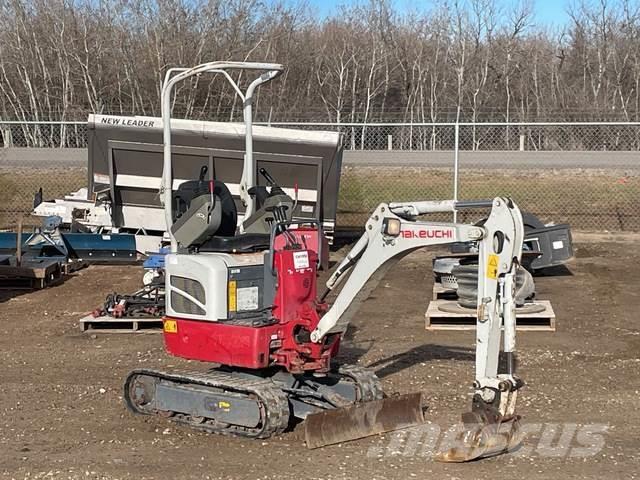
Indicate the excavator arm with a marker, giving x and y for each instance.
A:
(392, 232)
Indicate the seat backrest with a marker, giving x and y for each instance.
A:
(229, 221)
(184, 195)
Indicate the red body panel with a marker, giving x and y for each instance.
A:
(296, 290)
(296, 308)
(218, 342)
(296, 313)
(311, 239)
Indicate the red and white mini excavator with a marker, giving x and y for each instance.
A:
(243, 296)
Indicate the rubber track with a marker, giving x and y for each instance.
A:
(274, 403)
(367, 381)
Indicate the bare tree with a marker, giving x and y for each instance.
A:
(60, 59)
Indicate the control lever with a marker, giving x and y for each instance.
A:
(275, 188)
(203, 173)
(295, 200)
(201, 178)
(268, 177)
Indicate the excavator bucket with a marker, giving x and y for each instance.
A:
(363, 419)
(481, 440)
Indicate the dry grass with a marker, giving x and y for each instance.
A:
(587, 200)
(18, 186)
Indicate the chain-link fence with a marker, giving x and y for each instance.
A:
(585, 174)
(559, 136)
(43, 134)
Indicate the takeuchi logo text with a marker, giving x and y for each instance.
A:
(427, 233)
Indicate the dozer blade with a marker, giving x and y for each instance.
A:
(483, 440)
(363, 419)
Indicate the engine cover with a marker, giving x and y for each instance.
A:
(196, 284)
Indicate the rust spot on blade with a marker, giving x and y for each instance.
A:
(363, 419)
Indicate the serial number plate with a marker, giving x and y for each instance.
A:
(248, 298)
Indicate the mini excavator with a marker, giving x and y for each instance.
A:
(242, 295)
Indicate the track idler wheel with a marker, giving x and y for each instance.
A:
(142, 395)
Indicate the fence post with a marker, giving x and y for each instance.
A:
(455, 168)
(522, 143)
(389, 142)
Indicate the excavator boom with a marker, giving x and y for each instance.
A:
(392, 232)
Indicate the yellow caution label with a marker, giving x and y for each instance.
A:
(492, 266)
(233, 296)
(170, 326)
(224, 405)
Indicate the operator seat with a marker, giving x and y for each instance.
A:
(187, 192)
(206, 220)
(208, 223)
(201, 210)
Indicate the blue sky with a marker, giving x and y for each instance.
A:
(547, 12)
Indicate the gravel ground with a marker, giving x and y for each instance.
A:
(63, 416)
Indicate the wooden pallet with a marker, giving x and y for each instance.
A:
(442, 293)
(106, 324)
(436, 319)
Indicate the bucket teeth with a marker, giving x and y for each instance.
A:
(480, 440)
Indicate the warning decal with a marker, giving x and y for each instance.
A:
(492, 267)
(300, 260)
(170, 326)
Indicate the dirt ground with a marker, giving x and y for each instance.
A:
(63, 416)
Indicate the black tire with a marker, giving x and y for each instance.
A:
(529, 220)
(467, 279)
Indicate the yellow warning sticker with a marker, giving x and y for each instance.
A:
(492, 267)
(232, 300)
(170, 326)
(226, 406)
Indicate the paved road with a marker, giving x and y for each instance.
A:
(498, 159)
(77, 157)
(43, 157)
